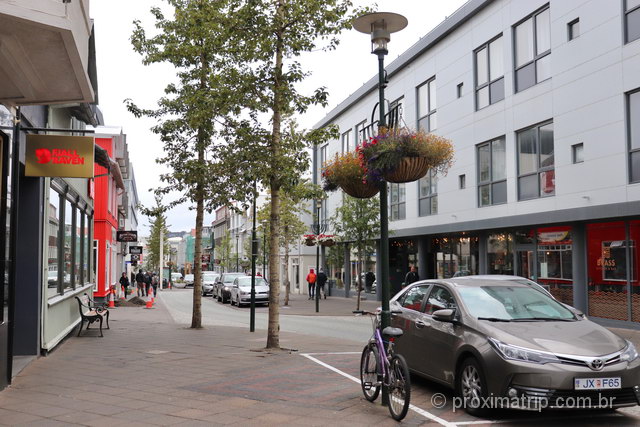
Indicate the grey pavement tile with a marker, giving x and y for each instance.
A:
(196, 414)
(135, 415)
(164, 420)
(46, 422)
(225, 419)
(198, 423)
(13, 418)
(162, 409)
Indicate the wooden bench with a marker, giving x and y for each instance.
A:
(91, 312)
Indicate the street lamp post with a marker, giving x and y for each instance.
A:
(254, 254)
(237, 254)
(318, 228)
(380, 25)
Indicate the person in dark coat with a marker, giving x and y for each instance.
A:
(412, 276)
(140, 283)
(321, 279)
(369, 278)
(124, 283)
(147, 283)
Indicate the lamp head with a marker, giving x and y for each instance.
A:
(380, 25)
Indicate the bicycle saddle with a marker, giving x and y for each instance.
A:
(392, 332)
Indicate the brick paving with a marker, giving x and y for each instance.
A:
(147, 370)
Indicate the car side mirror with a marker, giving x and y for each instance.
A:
(445, 315)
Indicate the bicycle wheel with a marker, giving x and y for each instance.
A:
(369, 373)
(399, 387)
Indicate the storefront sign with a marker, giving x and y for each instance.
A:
(137, 250)
(135, 258)
(127, 236)
(59, 156)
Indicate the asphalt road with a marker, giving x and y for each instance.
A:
(179, 303)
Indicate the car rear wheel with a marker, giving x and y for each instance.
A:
(471, 387)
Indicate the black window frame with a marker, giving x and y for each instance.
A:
(489, 84)
(459, 88)
(540, 169)
(359, 128)
(432, 112)
(348, 137)
(627, 12)
(491, 183)
(631, 151)
(431, 197)
(536, 56)
(571, 34)
(462, 181)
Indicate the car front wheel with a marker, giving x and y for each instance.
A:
(471, 387)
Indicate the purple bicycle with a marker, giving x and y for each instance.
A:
(380, 367)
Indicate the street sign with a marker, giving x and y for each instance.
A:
(59, 155)
(137, 250)
(135, 258)
(127, 236)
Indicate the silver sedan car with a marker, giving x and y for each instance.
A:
(504, 344)
(241, 291)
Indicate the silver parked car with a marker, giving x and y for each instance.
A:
(491, 339)
(241, 291)
(208, 280)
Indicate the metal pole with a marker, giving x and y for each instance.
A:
(237, 255)
(161, 254)
(317, 271)
(384, 222)
(254, 254)
(264, 254)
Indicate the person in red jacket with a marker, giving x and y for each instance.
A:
(311, 280)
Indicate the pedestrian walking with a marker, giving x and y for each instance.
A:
(311, 280)
(369, 278)
(147, 283)
(140, 283)
(154, 283)
(124, 284)
(321, 279)
(412, 276)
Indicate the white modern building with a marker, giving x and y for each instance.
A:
(541, 100)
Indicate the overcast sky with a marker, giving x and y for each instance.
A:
(121, 75)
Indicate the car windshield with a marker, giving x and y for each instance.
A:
(209, 277)
(246, 281)
(229, 278)
(188, 277)
(512, 303)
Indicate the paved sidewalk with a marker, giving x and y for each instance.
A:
(149, 371)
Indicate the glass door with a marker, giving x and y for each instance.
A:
(525, 263)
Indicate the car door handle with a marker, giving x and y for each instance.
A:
(420, 324)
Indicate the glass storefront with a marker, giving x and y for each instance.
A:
(554, 261)
(455, 256)
(500, 251)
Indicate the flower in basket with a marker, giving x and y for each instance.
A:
(326, 239)
(343, 169)
(309, 239)
(386, 151)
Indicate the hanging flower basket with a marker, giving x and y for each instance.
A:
(402, 155)
(409, 169)
(359, 189)
(327, 239)
(309, 239)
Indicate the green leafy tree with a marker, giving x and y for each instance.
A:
(335, 258)
(190, 40)
(223, 251)
(358, 221)
(264, 48)
(292, 227)
(158, 222)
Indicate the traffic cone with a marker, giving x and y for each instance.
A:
(112, 302)
(124, 294)
(150, 298)
(153, 299)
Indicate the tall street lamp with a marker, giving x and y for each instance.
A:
(237, 254)
(317, 228)
(380, 25)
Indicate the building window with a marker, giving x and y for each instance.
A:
(428, 197)
(489, 73)
(536, 173)
(53, 267)
(69, 220)
(492, 178)
(427, 119)
(359, 132)
(532, 49)
(577, 153)
(397, 203)
(462, 181)
(633, 106)
(346, 141)
(396, 112)
(459, 90)
(323, 156)
(573, 29)
(632, 20)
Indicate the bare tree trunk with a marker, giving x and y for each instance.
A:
(196, 318)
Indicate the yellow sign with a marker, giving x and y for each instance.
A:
(59, 155)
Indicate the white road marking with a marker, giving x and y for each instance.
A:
(414, 408)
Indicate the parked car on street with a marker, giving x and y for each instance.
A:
(188, 280)
(241, 291)
(505, 339)
(176, 277)
(222, 287)
(209, 278)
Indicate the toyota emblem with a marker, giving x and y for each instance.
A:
(596, 364)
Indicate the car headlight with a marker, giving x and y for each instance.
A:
(513, 352)
(226, 288)
(630, 353)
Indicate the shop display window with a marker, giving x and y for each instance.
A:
(53, 231)
(555, 261)
(500, 253)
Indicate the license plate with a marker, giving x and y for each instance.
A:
(597, 383)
